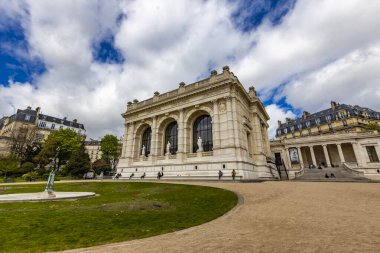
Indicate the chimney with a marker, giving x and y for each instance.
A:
(287, 120)
(279, 123)
(65, 118)
(226, 69)
(305, 114)
(38, 109)
(29, 107)
(75, 120)
(333, 105)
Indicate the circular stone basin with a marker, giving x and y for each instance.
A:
(44, 196)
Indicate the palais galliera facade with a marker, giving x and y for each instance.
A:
(196, 131)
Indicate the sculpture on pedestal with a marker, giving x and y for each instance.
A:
(168, 148)
(200, 145)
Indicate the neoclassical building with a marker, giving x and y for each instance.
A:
(338, 137)
(196, 131)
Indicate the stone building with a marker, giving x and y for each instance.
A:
(337, 137)
(35, 124)
(196, 130)
(93, 149)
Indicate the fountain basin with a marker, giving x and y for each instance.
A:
(44, 196)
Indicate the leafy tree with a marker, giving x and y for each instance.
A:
(79, 163)
(22, 140)
(9, 165)
(111, 150)
(100, 165)
(373, 127)
(68, 142)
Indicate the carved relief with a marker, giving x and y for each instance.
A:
(222, 106)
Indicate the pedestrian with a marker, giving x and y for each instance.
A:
(327, 176)
(233, 174)
(159, 175)
(130, 177)
(220, 174)
(332, 175)
(143, 176)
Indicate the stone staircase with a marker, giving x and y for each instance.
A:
(340, 173)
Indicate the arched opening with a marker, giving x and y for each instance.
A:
(171, 136)
(202, 127)
(146, 140)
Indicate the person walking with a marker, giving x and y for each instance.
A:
(220, 174)
(233, 174)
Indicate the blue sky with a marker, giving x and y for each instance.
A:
(86, 59)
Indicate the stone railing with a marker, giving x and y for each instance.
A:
(190, 155)
(349, 167)
(172, 156)
(299, 172)
(208, 153)
(161, 157)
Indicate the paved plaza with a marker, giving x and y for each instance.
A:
(279, 217)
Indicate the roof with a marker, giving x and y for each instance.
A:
(328, 115)
(60, 121)
(92, 143)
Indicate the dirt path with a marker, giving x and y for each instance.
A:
(279, 217)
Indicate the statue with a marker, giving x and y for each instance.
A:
(143, 152)
(50, 183)
(199, 143)
(168, 148)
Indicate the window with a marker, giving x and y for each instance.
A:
(171, 136)
(300, 126)
(317, 121)
(279, 132)
(60, 127)
(146, 137)
(308, 123)
(27, 117)
(202, 128)
(373, 158)
(292, 129)
(344, 122)
(328, 118)
(52, 126)
(286, 130)
(42, 124)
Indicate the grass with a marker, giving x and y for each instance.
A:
(122, 211)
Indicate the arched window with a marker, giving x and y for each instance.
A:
(146, 137)
(171, 135)
(202, 128)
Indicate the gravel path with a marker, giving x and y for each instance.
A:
(279, 217)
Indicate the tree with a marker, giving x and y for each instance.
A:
(68, 142)
(111, 150)
(22, 140)
(100, 165)
(79, 163)
(373, 127)
(9, 165)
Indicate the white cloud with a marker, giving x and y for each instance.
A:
(324, 50)
(276, 113)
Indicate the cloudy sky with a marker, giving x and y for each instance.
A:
(87, 59)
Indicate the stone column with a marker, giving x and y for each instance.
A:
(153, 145)
(340, 152)
(325, 151)
(130, 138)
(235, 123)
(124, 148)
(181, 136)
(230, 126)
(288, 158)
(216, 126)
(313, 155)
(358, 154)
(300, 156)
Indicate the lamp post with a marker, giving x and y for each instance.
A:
(50, 183)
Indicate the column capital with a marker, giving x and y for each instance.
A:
(338, 144)
(324, 145)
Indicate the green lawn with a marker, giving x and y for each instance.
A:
(122, 211)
